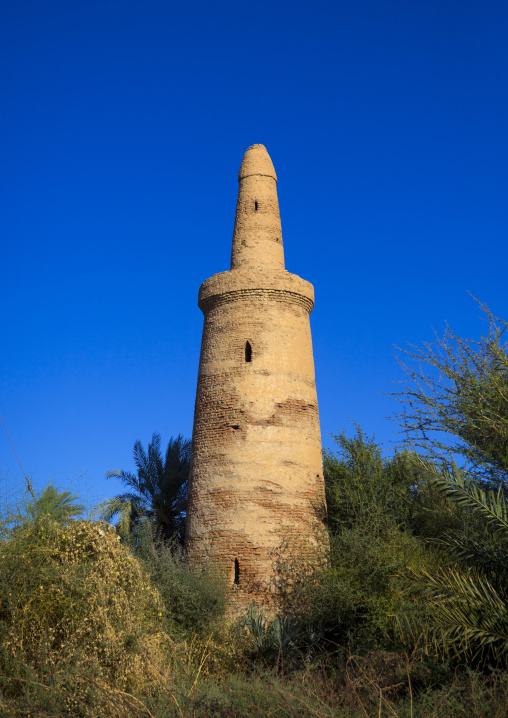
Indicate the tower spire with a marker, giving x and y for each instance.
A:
(257, 236)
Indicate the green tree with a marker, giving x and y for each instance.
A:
(456, 407)
(351, 599)
(158, 491)
(51, 504)
(467, 602)
(364, 488)
(54, 504)
(455, 402)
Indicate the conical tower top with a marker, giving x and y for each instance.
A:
(257, 161)
(257, 236)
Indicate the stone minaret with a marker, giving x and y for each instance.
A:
(256, 471)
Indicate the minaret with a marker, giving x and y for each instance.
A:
(256, 470)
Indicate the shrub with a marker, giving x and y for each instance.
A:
(194, 597)
(72, 596)
(350, 602)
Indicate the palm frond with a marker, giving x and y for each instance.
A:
(155, 462)
(126, 515)
(178, 454)
(486, 503)
(149, 466)
(141, 461)
(159, 491)
(485, 558)
(135, 498)
(125, 477)
(57, 505)
(468, 613)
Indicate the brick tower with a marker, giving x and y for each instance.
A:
(256, 470)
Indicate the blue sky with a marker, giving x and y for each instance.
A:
(123, 125)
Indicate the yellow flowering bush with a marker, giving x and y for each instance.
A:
(74, 596)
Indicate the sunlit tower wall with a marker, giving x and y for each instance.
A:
(256, 471)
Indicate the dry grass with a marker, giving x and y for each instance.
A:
(84, 634)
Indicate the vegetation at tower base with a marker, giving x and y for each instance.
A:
(193, 599)
(296, 667)
(159, 491)
(407, 617)
(372, 517)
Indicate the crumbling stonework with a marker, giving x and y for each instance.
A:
(256, 469)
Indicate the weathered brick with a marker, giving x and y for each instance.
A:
(256, 467)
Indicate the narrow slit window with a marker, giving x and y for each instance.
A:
(256, 205)
(237, 572)
(248, 352)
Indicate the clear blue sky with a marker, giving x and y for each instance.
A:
(123, 125)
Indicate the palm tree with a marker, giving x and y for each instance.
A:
(50, 504)
(158, 492)
(467, 602)
(57, 505)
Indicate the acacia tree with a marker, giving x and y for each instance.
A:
(158, 491)
(455, 401)
(361, 484)
(456, 407)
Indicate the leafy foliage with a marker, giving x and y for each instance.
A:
(364, 488)
(158, 491)
(467, 604)
(193, 597)
(50, 504)
(456, 400)
(458, 406)
(277, 638)
(350, 598)
(73, 596)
